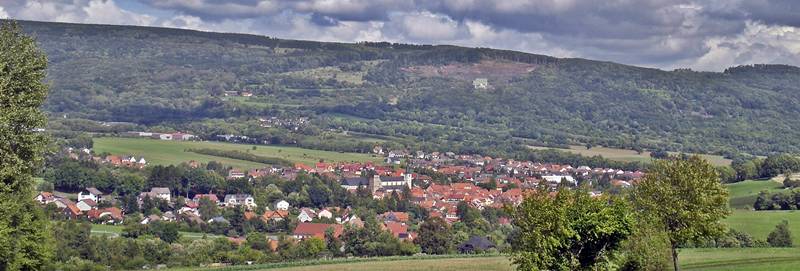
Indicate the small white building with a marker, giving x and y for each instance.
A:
(89, 193)
(282, 205)
(324, 213)
(240, 200)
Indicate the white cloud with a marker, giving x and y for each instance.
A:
(3, 13)
(427, 26)
(759, 43)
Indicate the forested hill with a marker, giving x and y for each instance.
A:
(159, 76)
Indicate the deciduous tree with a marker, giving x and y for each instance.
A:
(684, 196)
(24, 230)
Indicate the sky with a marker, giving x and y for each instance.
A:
(708, 35)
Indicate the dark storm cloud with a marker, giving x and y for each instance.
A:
(707, 34)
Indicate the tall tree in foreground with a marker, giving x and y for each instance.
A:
(24, 234)
(570, 230)
(685, 197)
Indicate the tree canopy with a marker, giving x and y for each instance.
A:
(24, 230)
(685, 196)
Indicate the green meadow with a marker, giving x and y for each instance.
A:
(163, 152)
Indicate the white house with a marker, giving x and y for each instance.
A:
(325, 214)
(161, 192)
(240, 200)
(558, 179)
(90, 193)
(282, 205)
(306, 215)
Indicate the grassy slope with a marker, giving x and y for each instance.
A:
(760, 223)
(628, 155)
(172, 152)
(744, 194)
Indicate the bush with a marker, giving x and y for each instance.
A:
(781, 236)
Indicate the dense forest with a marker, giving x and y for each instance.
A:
(178, 79)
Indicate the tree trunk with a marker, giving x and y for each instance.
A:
(675, 256)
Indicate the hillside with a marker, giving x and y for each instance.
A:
(177, 78)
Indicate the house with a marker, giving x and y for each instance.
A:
(395, 216)
(306, 215)
(45, 197)
(282, 205)
(399, 230)
(353, 183)
(86, 205)
(315, 230)
(68, 208)
(181, 136)
(476, 244)
(325, 213)
(274, 215)
(111, 215)
(235, 174)
(90, 193)
(212, 197)
(240, 200)
(555, 179)
(161, 192)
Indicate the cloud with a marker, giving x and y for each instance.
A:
(701, 34)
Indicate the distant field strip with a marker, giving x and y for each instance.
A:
(491, 262)
(163, 152)
(626, 155)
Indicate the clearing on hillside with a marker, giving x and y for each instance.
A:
(162, 152)
(627, 155)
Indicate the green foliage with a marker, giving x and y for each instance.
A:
(781, 236)
(569, 230)
(780, 164)
(25, 241)
(685, 197)
(647, 248)
(575, 101)
(434, 236)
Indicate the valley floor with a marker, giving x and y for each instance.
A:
(690, 259)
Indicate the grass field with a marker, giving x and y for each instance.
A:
(163, 152)
(116, 230)
(743, 194)
(740, 259)
(627, 155)
(690, 259)
(760, 223)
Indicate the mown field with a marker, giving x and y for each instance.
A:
(164, 152)
(760, 223)
(627, 155)
(743, 194)
(690, 259)
(740, 259)
(116, 230)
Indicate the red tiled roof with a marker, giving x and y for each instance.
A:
(317, 229)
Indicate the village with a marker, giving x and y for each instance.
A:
(437, 182)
